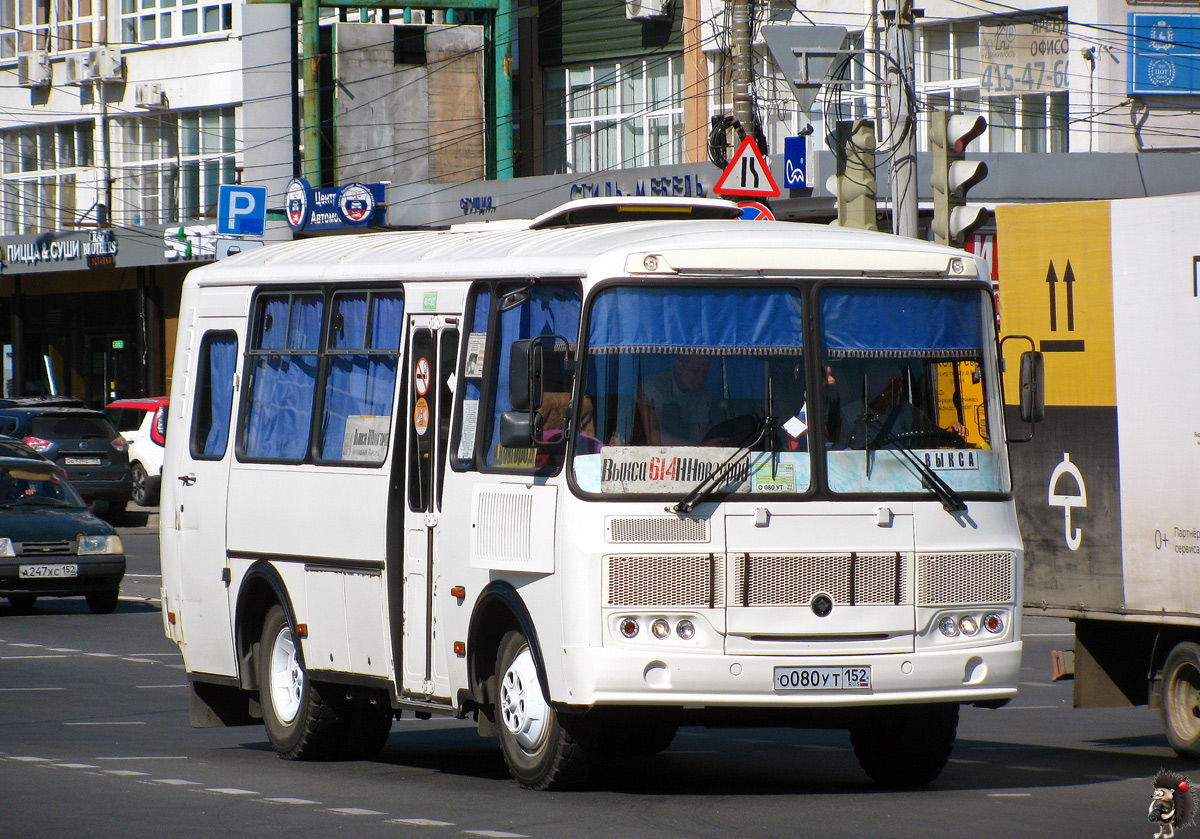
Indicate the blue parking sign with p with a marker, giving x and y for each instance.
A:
(241, 210)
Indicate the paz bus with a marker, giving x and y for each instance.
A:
(584, 479)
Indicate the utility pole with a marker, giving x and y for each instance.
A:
(739, 35)
(901, 126)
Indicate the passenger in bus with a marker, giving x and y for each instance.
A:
(674, 406)
(894, 402)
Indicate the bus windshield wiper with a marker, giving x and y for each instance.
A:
(952, 502)
(708, 485)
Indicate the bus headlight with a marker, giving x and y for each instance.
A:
(661, 629)
(629, 627)
(968, 625)
(948, 627)
(685, 629)
(993, 623)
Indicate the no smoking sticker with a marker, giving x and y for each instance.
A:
(421, 376)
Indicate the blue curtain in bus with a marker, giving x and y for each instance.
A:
(702, 320)
(880, 323)
(357, 385)
(387, 322)
(279, 411)
(350, 321)
(222, 360)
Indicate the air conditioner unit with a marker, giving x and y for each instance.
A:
(647, 9)
(33, 70)
(75, 69)
(105, 65)
(151, 95)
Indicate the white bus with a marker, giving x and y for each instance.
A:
(587, 479)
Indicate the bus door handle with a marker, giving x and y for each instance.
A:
(187, 480)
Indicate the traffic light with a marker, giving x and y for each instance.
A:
(952, 176)
(854, 146)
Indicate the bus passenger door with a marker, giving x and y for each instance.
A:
(194, 504)
(432, 362)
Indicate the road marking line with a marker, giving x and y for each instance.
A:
(354, 811)
(27, 657)
(421, 822)
(123, 773)
(496, 834)
(114, 722)
(175, 782)
(291, 801)
(75, 766)
(16, 690)
(23, 644)
(102, 655)
(232, 791)
(140, 660)
(24, 759)
(145, 757)
(1009, 794)
(63, 650)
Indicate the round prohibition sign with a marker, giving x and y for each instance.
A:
(421, 376)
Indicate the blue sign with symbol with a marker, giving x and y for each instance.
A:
(795, 162)
(1166, 54)
(241, 210)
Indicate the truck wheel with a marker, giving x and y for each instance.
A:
(905, 745)
(541, 751)
(1181, 699)
(301, 722)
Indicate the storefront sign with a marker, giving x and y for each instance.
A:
(1166, 54)
(333, 208)
(1026, 57)
(62, 251)
(680, 186)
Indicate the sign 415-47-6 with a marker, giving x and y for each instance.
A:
(1036, 76)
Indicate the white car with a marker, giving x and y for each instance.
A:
(143, 422)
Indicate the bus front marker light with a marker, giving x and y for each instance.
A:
(685, 629)
(948, 627)
(968, 625)
(629, 627)
(993, 623)
(661, 629)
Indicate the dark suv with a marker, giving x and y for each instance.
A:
(84, 443)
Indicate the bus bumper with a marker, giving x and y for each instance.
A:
(602, 676)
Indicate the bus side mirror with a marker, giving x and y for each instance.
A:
(525, 375)
(520, 429)
(1033, 386)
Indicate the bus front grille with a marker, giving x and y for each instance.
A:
(954, 579)
(851, 579)
(694, 581)
(655, 529)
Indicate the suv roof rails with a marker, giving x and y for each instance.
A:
(41, 402)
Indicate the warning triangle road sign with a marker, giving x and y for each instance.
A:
(747, 174)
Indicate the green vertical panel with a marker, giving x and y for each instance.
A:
(575, 31)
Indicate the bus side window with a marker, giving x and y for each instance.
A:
(214, 395)
(470, 389)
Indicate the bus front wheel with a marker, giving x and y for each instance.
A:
(301, 723)
(542, 751)
(905, 745)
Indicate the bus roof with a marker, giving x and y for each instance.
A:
(712, 246)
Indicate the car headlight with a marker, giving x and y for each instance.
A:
(6, 547)
(99, 544)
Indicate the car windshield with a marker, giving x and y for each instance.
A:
(34, 484)
(677, 380)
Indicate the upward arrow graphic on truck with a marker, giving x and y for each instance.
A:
(1068, 281)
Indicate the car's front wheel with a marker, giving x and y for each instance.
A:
(22, 602)
(104, 602)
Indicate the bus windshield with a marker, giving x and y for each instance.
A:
(677, 380)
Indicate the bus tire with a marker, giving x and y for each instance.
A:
(302, 723)
(905, 745)
(542, 751)
(1181, 699)
(368, 725)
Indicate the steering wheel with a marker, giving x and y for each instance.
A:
(733, 432)
(933, 435)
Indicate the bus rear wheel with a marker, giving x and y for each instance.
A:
(301, 722)
(1181, 699)
(541, 749)
(905, 745)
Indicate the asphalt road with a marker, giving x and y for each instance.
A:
(95, 742)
